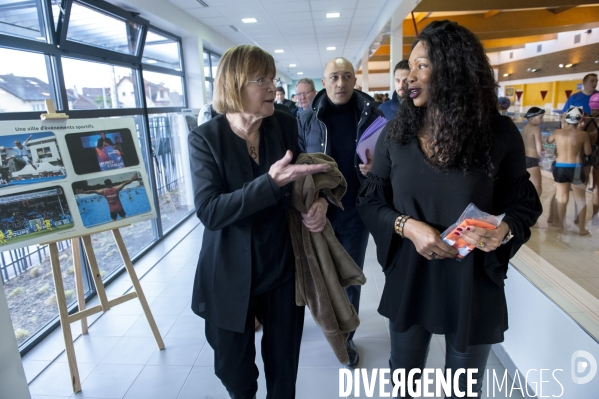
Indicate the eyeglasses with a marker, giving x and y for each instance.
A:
(263, 82)
(304, 94)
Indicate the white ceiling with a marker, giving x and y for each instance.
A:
(299, 27)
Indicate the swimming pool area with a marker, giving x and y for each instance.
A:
(94, 209)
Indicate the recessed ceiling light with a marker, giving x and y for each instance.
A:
(292, 65)
(248, 20)
(300, 73)
(149, 61)
(534, 70)
(331, 48)
(561, 65)
(279, 51)
(333, 14)
(506, 74)
(569, 65)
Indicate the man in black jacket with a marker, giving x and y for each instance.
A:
(280, 99)
(339, 116)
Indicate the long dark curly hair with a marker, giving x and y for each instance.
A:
(462, 98)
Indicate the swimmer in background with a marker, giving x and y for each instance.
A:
(570, 143)
(533, 145)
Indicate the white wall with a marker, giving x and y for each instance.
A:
(542, 336)
(12, 377)
(564, 41)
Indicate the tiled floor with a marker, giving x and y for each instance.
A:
(119, 357)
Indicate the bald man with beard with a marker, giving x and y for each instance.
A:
(337, 119)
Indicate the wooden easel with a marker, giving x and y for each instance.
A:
(105, 304)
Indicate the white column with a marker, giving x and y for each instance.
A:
(396, 44)
(12, 376)
(365, 58)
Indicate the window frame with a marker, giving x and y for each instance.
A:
(54, 49)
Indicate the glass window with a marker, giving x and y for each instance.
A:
(22, 19)
(161, 51)
(168, 133)
(163, 90)
(23, 81)
(214, 60)
(56, 7)
(207, 71)
(29, 286)
(91, 27)
(209, 89)
(93, 85)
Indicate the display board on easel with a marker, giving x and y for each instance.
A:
(63, 178)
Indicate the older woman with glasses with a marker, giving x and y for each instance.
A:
(242, 164)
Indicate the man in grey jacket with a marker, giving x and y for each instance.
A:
(338, 117)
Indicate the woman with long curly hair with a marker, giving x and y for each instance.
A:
(447, 148)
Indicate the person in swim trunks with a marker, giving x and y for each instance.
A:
(111, 193)
(533, 145)
(570, 143)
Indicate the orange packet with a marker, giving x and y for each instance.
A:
(474, 217)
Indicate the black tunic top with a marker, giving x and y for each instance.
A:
(445, 296)
(272, 254)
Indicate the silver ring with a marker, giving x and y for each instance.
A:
(433, 255)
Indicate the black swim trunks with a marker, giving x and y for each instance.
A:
(568, 173)
(532, 162)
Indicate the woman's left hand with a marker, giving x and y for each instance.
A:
(316, 218)
(484, 239)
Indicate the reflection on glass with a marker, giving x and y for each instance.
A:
(571, 251)
(97, 29)
(23, 81)
(209, 89)
(214, 60)
(29, 286)
(163, 90)
(92, 85)
(161, 51)
(22, 19)
(207, 65)
(168, 133)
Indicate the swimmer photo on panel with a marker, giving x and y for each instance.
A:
(30, 158)
(32, 214)
(102, 150)
(107, 199)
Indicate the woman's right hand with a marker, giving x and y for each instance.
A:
(427, 240)
(282, 172)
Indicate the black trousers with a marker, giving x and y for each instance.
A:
(235, 353)
(410, 349)
(353, 236)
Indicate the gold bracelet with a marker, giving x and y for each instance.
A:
(402, 224)
(396, 225)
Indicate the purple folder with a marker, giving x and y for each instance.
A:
(369, 138)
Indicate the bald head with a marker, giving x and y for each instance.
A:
(339, 80)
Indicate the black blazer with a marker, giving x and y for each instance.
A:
(225, 196)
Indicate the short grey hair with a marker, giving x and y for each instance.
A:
(308, 81)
